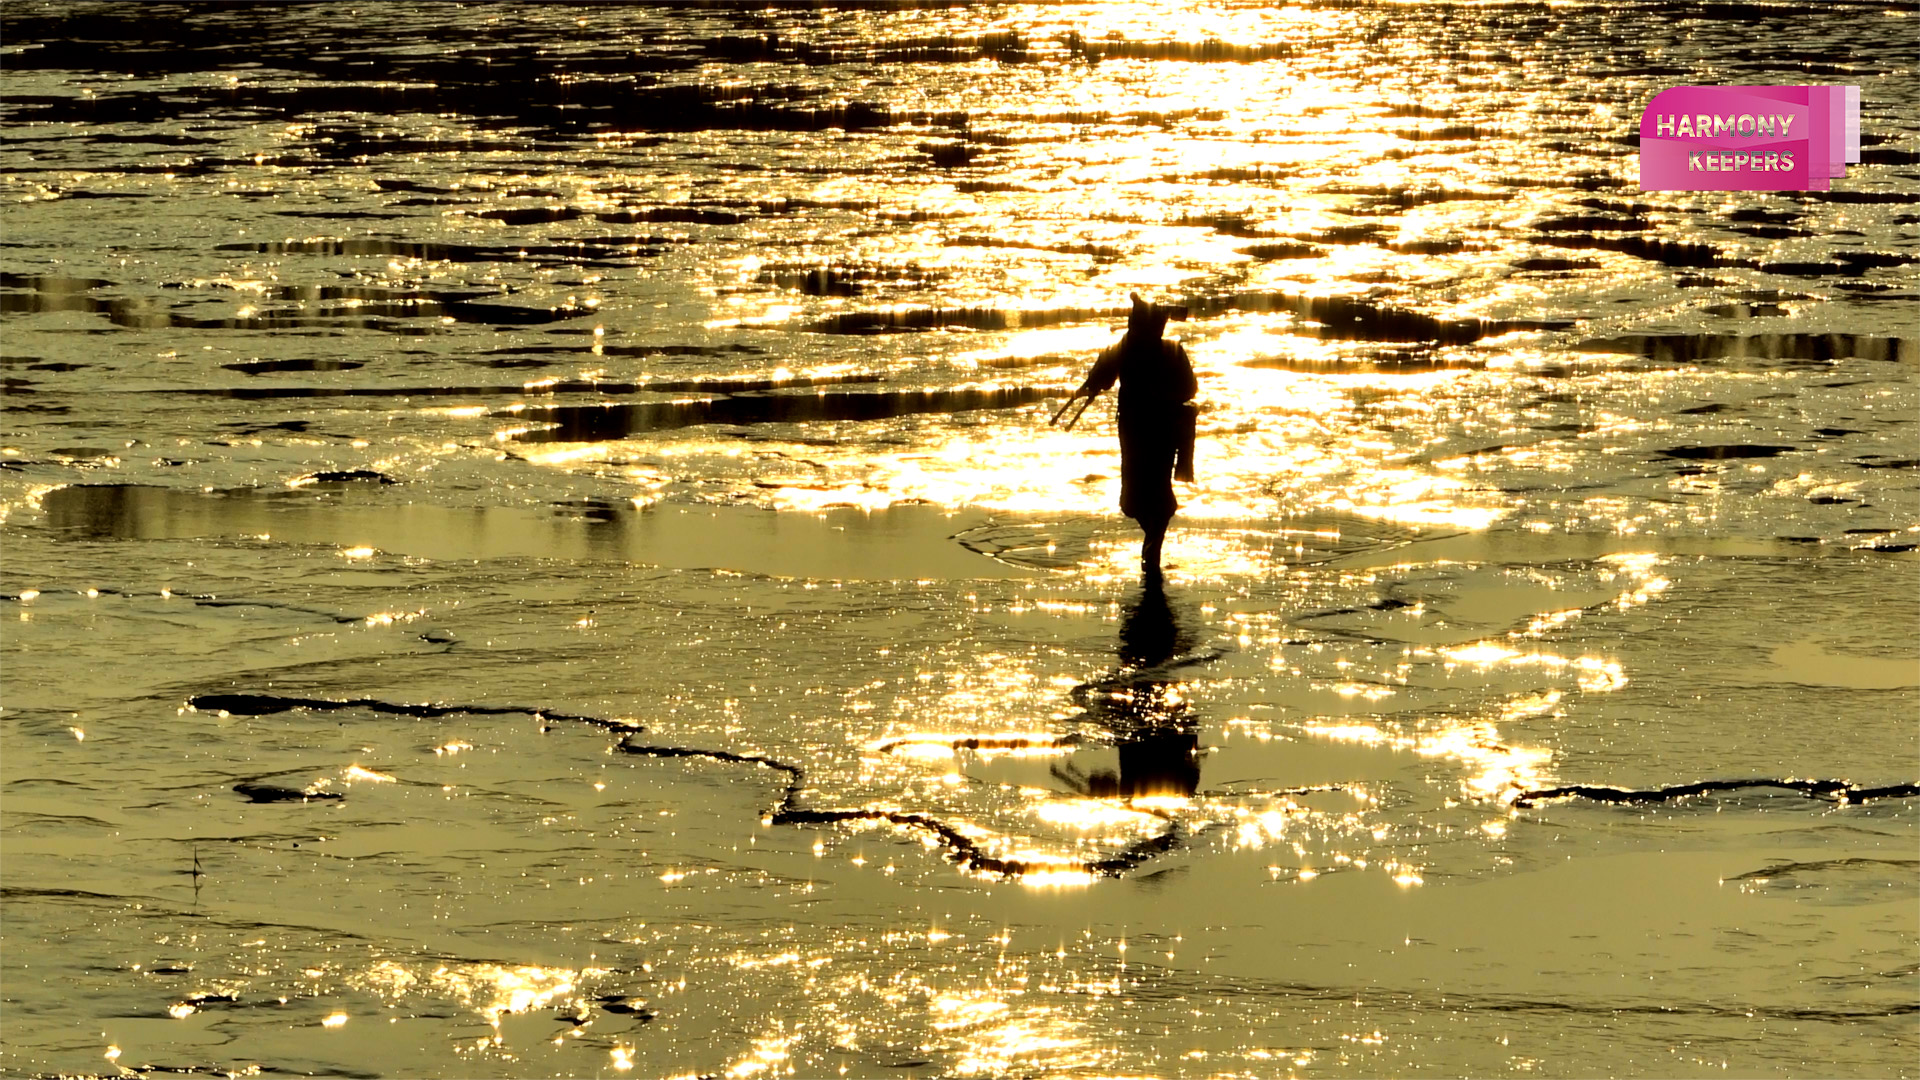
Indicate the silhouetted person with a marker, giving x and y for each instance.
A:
(1158, 739)
(1156, 419)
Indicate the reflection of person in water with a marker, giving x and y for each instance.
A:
(1154, 729)
(1156, 419)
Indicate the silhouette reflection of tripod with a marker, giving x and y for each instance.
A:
(1140, 703)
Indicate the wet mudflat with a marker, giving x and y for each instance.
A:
(532, 548)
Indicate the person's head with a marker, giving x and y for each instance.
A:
(1148, 321)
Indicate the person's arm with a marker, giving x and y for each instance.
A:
(1105, 372)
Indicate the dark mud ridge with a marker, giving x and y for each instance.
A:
(960, 848)
(1842, 791)
(604, 422)
(544, 389)
(1327, 317)
(390, 311)
(268, 704)
(257, 791)
(1819, 348)
(72, 515)
(342, 476)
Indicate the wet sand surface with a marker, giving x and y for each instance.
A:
(532, 548)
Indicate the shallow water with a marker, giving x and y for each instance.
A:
(534, 548)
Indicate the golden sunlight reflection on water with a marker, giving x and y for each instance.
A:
(1068, 801)
(1300, 440)
(489, 991)
(1324, 435)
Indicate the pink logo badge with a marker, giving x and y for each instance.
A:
(1748, 138)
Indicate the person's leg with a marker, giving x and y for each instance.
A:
(1155, 528)
(1146, 484)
